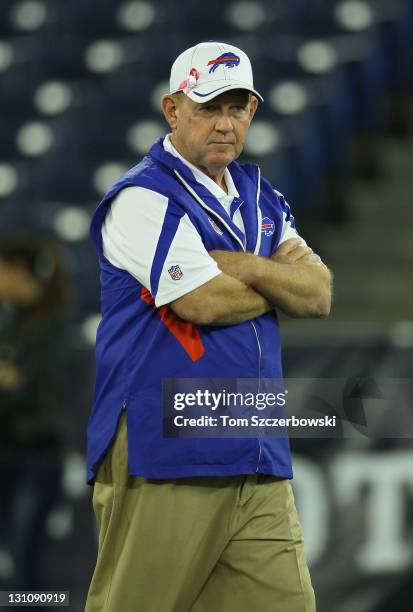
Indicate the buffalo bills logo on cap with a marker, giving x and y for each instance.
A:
(175, 273)
(267, 226)
(230, 60)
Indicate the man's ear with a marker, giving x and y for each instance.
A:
(170, 110)
(253, 106)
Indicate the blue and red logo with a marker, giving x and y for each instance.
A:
(230, 60)
(267, 226)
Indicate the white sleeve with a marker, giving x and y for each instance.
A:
(133, 235)
(289, 231)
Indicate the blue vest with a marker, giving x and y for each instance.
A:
(139, 345)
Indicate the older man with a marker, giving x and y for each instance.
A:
(196, 253)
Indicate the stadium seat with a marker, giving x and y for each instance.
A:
(322, 82)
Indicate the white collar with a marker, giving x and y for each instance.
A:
(202, 178)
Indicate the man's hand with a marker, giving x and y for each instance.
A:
(300, 289)
(294, 250)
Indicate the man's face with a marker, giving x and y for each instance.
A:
(211, 135)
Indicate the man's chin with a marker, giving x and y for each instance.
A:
(221, 158)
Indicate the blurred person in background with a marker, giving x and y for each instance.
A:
(35, 355)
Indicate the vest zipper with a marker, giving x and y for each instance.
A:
(259, 353)
(259, 384)
(196, 196)
(256, 252)
(259, 216)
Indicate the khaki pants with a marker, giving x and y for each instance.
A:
(199, 544)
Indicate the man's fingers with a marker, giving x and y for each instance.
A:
(313, 258)
(288, 246)
(300, 252)
(297, 253)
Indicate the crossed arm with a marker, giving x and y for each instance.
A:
(293, 280)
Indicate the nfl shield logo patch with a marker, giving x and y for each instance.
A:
(175, 272)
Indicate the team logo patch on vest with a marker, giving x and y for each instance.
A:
(267, 226)
(175, 272)
(215, 226)
(230, 60)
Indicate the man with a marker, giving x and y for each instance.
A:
(196, 254)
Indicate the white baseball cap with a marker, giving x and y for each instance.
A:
(210, 69)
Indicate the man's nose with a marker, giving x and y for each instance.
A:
(224, 123)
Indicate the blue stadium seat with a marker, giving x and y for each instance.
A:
(6, 27)
(315, 140)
